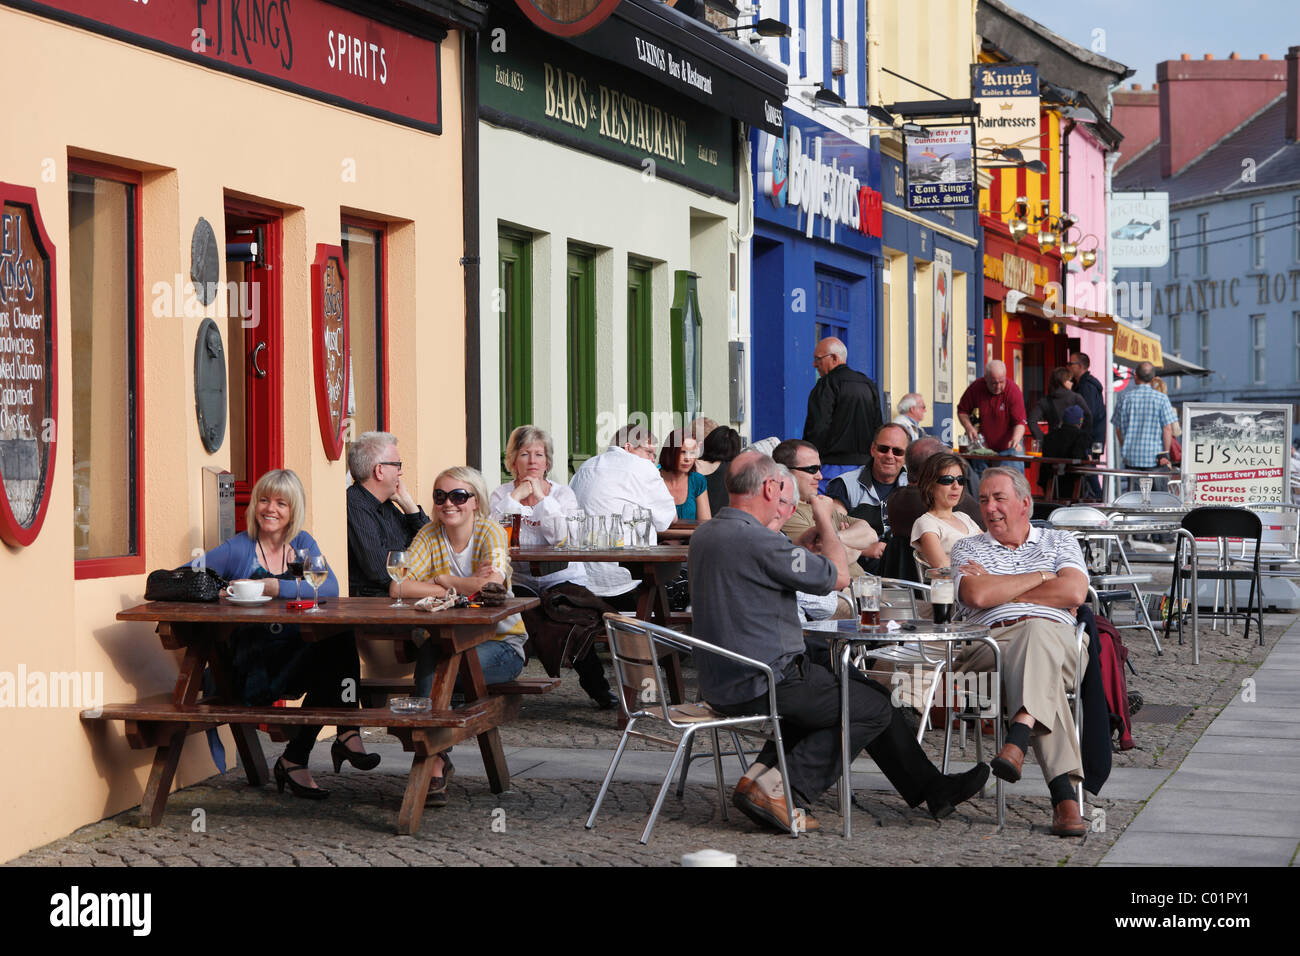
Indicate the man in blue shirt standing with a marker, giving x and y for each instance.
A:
(1144, 423)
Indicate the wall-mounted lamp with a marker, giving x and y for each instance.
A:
(766, 27)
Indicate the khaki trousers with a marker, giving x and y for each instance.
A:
(1038, 668)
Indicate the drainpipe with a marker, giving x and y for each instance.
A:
(470, 260)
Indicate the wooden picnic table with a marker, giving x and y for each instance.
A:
(203, 631)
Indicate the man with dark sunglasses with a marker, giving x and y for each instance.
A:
(864, 491)
(804, 463)
(382, 515)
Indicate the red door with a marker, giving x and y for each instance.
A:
(253, 343)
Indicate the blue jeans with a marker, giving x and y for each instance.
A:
(500, 663)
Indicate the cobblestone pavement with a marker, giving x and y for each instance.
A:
(540, 821)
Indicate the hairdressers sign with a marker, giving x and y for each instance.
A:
(28, 372)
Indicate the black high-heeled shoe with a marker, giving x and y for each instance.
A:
(297, 789)
(340, 753)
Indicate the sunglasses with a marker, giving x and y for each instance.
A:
(891, 450)
(807, 469)
(458, 496)
(951, 480)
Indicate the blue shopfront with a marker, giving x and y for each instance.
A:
(941, 362)
(816, 264)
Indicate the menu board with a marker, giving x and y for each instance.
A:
(1236, 453)
(27, 365)
(330, 344)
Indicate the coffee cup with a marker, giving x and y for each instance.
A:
(246, 590)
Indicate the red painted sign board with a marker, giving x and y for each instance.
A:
(309, 47)
(329, 339)
(29, 382)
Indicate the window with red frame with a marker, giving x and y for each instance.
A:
(104, 318)
(364, 255)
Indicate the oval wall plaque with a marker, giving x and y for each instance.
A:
(28, 366)
(204, 263)
(329, 319)
(210, 385)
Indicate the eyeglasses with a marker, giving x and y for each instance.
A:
(807, 469)
(951, 480)
(395, 464)
(891, 450)
(458, 496)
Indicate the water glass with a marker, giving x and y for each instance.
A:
(643, 520)
(600, 532)
(577, 523)
(616, 538)
(1144, 485)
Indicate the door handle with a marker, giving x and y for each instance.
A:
(257, 369)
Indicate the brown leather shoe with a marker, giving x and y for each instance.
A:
(767, 810)
(1008, 763)
(1067, 821)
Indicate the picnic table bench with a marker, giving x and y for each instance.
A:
(202, 631)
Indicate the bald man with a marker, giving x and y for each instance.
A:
(1001, 407)
(843, 412)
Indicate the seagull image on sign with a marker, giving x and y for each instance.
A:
(1136, 229)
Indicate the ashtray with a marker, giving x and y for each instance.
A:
(410, 705)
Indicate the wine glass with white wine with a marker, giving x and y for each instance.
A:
(316, 573)
(398, 569)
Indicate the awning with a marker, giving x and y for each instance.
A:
(693, 59)
(1177, 366)
(1134, 346)
(1082, 319)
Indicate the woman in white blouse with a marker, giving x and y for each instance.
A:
(543, 507)
(941, 484)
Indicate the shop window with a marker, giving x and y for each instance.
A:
(515, 290)
(104, 318)
(581, 333)
(640, 340)
(364, 256)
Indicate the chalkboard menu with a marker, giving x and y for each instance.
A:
(28, 379)
(329, 312)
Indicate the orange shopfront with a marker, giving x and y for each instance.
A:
(1029, 345)
(208, 264)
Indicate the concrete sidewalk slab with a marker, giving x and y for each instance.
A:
(1249, 760)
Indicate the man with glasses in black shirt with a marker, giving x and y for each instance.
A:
(382, 515)
(864, 491)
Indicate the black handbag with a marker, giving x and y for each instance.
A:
(184, 584)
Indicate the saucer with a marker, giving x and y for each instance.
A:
(257, 600)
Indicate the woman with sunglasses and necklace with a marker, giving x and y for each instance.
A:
(462, 548)
(941, 485)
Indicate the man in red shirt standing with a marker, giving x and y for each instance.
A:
(1001, 407)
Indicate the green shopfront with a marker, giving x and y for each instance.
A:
(613, 227)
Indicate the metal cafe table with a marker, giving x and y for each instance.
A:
(203, 631)
(847, 636)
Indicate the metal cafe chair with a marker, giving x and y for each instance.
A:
(1279, 540)
(635, 647)
(1225, 526)
(1112, 586)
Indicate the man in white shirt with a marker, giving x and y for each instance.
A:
(617, 481)
(911, 410)
(1025, 583)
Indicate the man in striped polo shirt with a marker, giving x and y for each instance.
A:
(1025, 583)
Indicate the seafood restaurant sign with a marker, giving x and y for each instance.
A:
(28, 370)
(310, 47)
